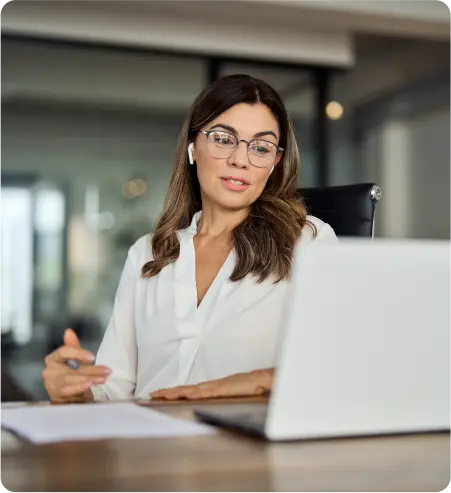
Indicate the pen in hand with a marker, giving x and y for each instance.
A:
(79, 364)
(70, 372)
(72, 363)
(71, 340)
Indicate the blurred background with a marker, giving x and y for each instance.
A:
(93, 97)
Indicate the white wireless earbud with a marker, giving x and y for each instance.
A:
(190, 154)
(272, 169)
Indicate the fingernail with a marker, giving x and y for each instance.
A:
(91, 357)
(99, 380)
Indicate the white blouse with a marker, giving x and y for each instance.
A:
(158, 338)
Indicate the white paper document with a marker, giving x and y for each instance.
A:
(46, 424)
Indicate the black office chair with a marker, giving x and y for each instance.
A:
(349, 209)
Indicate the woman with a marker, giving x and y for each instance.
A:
(199, 304)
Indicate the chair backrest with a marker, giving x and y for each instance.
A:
(349, 209)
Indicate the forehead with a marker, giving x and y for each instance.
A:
(248, 119)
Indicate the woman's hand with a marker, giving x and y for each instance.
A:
(258, 382)
(63, 384)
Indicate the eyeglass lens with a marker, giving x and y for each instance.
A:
(261, 153)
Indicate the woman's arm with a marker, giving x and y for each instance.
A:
(257, 382)
(118, 350)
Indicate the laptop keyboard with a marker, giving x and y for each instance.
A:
(252, 418)
(249, 421)
(256, 419)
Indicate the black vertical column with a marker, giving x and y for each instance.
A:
(321, 129)
(213, 69)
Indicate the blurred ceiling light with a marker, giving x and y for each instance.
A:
(334, 110)
(134, 188)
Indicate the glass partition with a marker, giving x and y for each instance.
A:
(97, 128)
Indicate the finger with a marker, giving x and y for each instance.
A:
(198, 394)
(194, 393)
(208, 390)
(92, 371)
(66, 352)
(61, 371)
(191, 392)
(72, 380)
(73, 390)
(161, 394)
(204, 390)
(74, 399)
(174, 391)
(164, 391)
(71, 339)
(208, 393)
(233, 386)
(236, 386)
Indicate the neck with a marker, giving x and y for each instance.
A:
(216, 222)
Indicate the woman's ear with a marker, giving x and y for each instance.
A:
(190, 153)
(276, 162)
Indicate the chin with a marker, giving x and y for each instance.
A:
(228, 200)
(232, 203)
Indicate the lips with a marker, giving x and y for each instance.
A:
(235, 179)
(235, 184)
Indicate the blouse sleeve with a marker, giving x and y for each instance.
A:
(118, 349)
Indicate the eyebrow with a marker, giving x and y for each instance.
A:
(232, 130)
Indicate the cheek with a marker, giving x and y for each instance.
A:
(261, 177)
(206, 171)
(206, 174)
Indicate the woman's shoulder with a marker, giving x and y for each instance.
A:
(141, 251)
(317, 230)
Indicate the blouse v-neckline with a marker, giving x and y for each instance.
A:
(186, 275)
(217, 280)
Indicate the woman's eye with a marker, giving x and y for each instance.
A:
(222, 139)
(261, 148)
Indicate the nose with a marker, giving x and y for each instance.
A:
(239, 156)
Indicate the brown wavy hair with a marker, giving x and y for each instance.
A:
(264, 241)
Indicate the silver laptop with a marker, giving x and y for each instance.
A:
(365, 347)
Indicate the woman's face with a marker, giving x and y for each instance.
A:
(233, 182)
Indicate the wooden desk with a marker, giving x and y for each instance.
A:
(228, 462)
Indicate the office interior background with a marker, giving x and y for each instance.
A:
(93, 97)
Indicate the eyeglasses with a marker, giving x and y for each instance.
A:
(261, 153)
